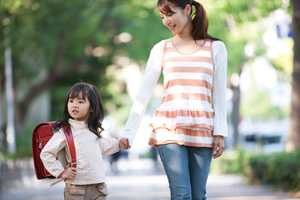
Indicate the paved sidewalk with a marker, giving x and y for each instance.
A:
(141, 180)
(224, 187)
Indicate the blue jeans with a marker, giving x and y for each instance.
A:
(187, 170)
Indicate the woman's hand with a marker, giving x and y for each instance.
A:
(218, 146)
(68, 173)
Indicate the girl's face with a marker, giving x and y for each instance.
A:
(175, 18)
(79, 108)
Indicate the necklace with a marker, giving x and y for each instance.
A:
(196, 43)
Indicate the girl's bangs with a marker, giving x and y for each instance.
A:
(78, 92)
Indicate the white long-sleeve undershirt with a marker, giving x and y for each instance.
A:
(150, 79)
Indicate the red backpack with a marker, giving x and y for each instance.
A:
(41, 135)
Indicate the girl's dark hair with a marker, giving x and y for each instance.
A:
(199, 18)
(96, 115)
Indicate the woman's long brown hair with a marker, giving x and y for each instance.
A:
(199, 18)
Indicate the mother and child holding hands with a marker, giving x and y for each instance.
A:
(188, 127)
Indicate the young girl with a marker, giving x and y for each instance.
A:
(189, 126)
(83, 113)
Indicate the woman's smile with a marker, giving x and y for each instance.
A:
(172, 27)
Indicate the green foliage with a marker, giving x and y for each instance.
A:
(232, 162)
(13, 6)
(277, 169)
(146, 31)
(53, 38)
(95, 77)
(263, 108)
(58, 37)
(145, 27)
(284, 62)
(280, 169)
(23, 143)
(235, 23)
(250, 10)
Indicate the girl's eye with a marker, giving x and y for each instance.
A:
(81, 102)
(71, 100)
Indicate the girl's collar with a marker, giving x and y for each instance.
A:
(77, 124)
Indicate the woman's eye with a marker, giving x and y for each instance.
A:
(70, 100)
(169, 14)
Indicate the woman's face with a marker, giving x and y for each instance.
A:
(175, 18)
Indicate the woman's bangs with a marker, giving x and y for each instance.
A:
(165, 9)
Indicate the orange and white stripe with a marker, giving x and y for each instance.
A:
(201, 53)
(200, 97)
(186, 113)
(188, 70)
(188, 76)
(191, 82)
(182, 104)
(164, 135)
(160, 121)
(194, 90)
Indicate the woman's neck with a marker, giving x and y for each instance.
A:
(185, 35)
(185, 44)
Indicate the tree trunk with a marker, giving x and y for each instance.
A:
(235, 114)
(2, 138)
(294, 129)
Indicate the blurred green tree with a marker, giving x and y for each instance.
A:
(56, 43)
(231, 21)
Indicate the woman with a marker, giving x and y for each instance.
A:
(190, 124)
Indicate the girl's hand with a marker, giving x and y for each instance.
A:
(124, 143)
(68, 173)
(218, 146)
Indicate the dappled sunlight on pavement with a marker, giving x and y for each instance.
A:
(231, 187)
(140, 180)
(260, 197)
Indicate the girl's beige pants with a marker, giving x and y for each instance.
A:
(85, 192)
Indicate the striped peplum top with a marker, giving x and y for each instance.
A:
(193, 108)
(186, 113)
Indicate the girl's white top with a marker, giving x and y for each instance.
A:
(89, 154)
(152, 73)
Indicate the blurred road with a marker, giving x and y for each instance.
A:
(139, 180)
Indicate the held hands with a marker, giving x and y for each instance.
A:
(218, 146)
(124, 143)
(68, 173)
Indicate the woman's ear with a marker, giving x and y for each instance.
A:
(188, 9)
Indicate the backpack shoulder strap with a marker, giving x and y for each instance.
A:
(71, 145)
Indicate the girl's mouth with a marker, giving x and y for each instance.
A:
(75, 111)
